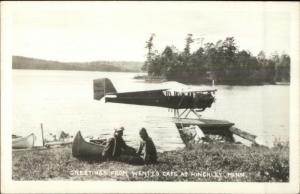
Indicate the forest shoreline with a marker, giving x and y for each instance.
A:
(161, 79)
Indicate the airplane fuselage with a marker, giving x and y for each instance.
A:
(159, 98)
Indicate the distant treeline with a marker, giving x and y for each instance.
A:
(222, 62)
(19, 62)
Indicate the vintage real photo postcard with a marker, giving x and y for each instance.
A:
(144, 97)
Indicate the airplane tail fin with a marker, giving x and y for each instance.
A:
(102, 87)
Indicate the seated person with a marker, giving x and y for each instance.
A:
(116, 149)
(147, 148)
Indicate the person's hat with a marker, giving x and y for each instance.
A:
(143, 131)
(120, 129)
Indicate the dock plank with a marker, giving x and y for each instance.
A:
(243, 134)
(203, 122)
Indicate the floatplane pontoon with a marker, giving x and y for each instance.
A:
(182, 101)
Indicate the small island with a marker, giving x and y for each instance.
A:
(222, 62)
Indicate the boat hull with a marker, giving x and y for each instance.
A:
(211, 128)
(86, 150)
(23, 142)
(219, 130)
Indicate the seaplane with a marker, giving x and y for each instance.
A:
(172, 98)
(183, 101)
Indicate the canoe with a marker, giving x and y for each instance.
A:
(24, 142)
(85, 150)
(99, 141)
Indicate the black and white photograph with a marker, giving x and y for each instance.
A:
(152, 95)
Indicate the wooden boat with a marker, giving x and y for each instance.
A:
(24, 142)
(85, 150)
(15, 136)
(216, 130)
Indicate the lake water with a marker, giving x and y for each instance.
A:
(63, 100)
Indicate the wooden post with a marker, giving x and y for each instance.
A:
(42, 134)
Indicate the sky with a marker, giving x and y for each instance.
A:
(90, 31)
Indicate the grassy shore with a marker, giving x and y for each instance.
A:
(208, 162)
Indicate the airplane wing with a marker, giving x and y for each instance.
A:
(182, 88)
